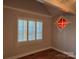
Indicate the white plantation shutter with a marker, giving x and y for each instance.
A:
(25, 29)
(29, 30)
(39, 30)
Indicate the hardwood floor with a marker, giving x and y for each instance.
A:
(47, 54)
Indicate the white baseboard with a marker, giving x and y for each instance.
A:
(25, 54)
(64, 52)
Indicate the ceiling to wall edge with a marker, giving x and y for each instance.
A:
(26, 11)
(48, 3)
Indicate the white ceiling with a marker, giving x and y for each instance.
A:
(65, 5)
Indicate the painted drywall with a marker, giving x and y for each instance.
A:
(65, 40)
(11, 46)
(31, 5)
(52, 36)
(64, 5)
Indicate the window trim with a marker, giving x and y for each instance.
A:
(36, 20)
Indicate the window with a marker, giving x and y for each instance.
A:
(22, 30)
(39, 30)
(29, 30)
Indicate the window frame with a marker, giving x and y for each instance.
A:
(35, 20)
(31, 19)
(39, 20)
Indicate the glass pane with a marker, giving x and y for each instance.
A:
(21, 30)
(31, 30)
(39, 30)
(25, 29)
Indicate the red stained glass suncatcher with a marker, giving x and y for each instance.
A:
(62, 22)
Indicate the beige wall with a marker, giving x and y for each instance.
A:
(31, 5)
(65, 40)
(11, 46)
(52, 36)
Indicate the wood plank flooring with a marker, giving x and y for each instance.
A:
(47, 54)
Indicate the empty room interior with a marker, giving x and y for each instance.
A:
(39, 29)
